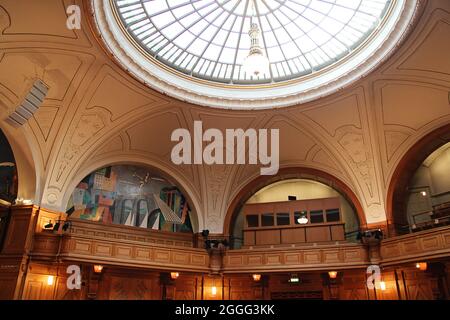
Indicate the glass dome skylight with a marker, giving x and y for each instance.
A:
(209, 39)
(197, 50)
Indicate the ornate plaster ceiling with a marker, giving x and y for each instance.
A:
(97, 114)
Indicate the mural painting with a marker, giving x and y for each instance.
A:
(131, 196)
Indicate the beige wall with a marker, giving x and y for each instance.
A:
(433, 176)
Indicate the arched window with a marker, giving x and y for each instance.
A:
(294, 210)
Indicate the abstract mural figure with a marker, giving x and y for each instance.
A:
(130, 196)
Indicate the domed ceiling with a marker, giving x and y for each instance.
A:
(195, 50)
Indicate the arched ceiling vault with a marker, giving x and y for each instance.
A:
(96, 111)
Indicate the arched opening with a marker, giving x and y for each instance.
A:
(8, 183)
(8, 171)
(419, 192)
(295, 194)
(134, 196)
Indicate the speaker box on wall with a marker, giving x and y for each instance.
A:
(30, 104)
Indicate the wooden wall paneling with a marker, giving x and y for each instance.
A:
(123, 284)
(420, 285)
(243, 287)
(318, 234)
(249, 238)
(290, 236)
(354, 286)
(268, 237)
(186, 287)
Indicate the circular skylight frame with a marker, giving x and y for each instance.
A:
(255, 94)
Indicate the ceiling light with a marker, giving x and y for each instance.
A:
(256, 63)
(174, 275)
(302, 219)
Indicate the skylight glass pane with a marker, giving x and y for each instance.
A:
(210, 37)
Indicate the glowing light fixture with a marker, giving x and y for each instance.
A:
(294, 279)
(256, 277)
(174, 275)
(332, 274)
(423, 193)
(256, 63)
(213, 290)
(303, 219)
(98, 268)
(422, 266)
(382, 285)
(50, 280)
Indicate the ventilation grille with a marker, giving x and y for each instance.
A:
(29, 105)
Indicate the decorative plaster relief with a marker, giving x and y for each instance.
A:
(361, 162)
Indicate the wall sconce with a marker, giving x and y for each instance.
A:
(174, 275)
(256, 277)
(332, 274)
(213, 291)
(423, 193)
(98, 268)
(382, 285)
(294, 279)
(422, 266)
(50, 280)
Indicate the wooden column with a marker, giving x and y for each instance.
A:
(14, 257)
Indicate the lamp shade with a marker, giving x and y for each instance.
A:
(422, 266)
(256, 65)
(256, 277)
(332, 274)
(98, 268)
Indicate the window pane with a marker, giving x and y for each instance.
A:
(316, 216)
(333, 215)
(283, 219)
(267, 219)
(300, 217)
(252, 221)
